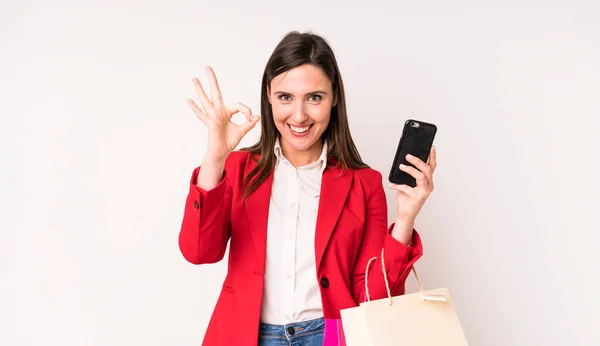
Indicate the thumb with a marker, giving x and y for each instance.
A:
(250, 124)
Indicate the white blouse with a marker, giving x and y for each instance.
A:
(291, 290)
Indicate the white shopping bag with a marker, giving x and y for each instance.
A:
(425, 318)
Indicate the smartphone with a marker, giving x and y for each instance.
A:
(417, 139)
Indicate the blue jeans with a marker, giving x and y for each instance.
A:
(308, 333)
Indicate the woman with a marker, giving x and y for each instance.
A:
(302, 212)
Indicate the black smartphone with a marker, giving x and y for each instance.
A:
(417, 139)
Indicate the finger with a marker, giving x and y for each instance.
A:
(238, 107)
(432, 163)
(433, 158)
(199, 113)
(250, 124)
(206, 104)
(215, 92)
(415, 173)
(421, 166)
(405, 189)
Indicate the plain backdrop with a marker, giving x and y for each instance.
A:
(98, 144)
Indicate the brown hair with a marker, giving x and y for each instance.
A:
(294, 50)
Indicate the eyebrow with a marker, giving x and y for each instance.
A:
(323, 92)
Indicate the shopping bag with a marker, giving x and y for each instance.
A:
(425, 318)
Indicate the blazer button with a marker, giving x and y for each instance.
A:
(324, 282)
(196, 205)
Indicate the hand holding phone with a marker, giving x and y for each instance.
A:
(417, 139)
(414, 182)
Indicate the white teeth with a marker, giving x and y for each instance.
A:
(299, 129)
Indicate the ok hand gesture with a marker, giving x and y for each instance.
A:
(223, 135)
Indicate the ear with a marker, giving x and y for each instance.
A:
(335, 101)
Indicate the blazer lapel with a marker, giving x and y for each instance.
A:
(257, 211)
(335, 187)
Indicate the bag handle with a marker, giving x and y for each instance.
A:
(387, 284)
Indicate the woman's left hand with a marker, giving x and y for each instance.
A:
(410, 200)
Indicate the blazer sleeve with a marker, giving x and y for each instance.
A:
(206, 225)
(398, 257)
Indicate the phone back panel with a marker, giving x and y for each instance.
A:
(417, 141)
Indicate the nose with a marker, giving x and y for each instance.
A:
(299, 115)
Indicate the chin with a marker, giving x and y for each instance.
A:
(299, 144)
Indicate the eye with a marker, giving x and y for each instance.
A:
(315, 98)
(284, 97)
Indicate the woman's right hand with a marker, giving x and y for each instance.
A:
(223, 135)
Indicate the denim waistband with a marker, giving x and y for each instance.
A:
(296, 329)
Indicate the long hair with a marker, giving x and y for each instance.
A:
(294, 50)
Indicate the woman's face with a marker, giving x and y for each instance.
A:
(301, 99)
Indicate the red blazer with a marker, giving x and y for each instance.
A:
(351, 228)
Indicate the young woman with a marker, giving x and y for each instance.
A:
(302, 213)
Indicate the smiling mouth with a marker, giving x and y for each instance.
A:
(300, 129)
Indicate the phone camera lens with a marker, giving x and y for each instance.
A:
(414, 124)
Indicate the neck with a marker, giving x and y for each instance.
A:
(304, 157)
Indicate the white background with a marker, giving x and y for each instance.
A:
(98, 144)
